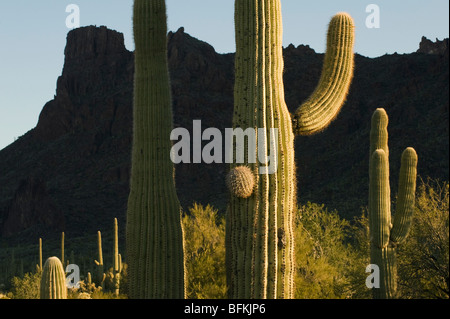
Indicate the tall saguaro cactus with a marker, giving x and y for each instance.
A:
(385, 235)
(53, 280)
(154, 233)
(260, 245)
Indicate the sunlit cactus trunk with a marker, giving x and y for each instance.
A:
(154, 233)
(386, 234)
(260, 215)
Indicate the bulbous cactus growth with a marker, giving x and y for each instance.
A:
(240, 181)
(154, 234)
(53, 280)
(385, 235)
(259, 236)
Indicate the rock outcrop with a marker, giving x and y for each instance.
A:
(79, 152)
(33, 210)
(429, 47)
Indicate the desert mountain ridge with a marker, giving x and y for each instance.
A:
(71, 172)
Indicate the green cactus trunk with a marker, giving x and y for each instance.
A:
(39, 267)
(100, 274)
(53, 280)
(385, 235)
(63, 260)
(116, 268)
(260, 240)
(154, 233)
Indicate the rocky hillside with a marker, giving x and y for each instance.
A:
(71, 171)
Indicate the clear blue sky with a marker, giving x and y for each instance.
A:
(33, 35)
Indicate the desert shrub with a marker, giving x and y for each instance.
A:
(423, 263)
(326, 260)
(26, 287)
(204, 235)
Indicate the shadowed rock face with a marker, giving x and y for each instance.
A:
(32, 207)
(94, 84)
(79, 153)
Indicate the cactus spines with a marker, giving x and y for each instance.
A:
(380, 205)
(53, 280)
(154, 232)
(241, 181)
(260, 245)
(325, 102)
(406, 196)
(386, 234)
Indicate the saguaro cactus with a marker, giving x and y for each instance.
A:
(53, 280)
(62, 248)
(154, 233)
(385, 235)
(100, 274)
(117, 262)
(260, 246)
(39, 266)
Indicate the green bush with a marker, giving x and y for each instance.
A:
(324, 258)
(26, 287)
(424, 266)
(204, 234)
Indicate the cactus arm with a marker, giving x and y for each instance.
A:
(322, 107)
(380, 200)
(406, 196)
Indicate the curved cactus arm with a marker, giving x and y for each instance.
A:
(326, 101)
(406, 196)
(379, 200)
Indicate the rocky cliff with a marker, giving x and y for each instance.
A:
(71, 171)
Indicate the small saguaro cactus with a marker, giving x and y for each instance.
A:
(39, 266)
(53, 280)
(385, 235)
(100, 274)
(62, 248)
(260, 235)
(154, 233)
(117, 259)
